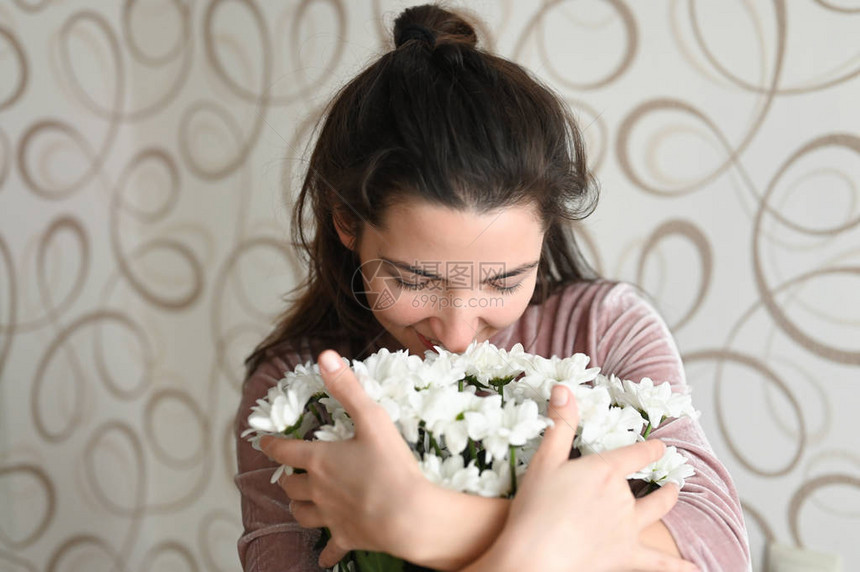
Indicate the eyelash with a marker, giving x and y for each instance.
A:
(415, 286)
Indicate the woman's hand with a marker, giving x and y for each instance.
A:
(360, 489)
(580, 514)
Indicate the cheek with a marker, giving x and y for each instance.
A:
(506, 310)
(404, 311)
(502, 310)
(393, 304)
(379, 288)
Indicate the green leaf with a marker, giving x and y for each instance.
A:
(378, 562)
(500, 382)
(472, 380)
(293, 429)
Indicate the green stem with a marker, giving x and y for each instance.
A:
(435, 445)
(513, 461)
(294, 429)
(647, 431)
(315, 410)
(420, 444)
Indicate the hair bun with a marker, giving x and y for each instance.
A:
(415, 32)
(432, 26)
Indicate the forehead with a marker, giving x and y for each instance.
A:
(425, 213)
(419, 231)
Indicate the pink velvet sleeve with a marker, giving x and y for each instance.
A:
(628, 338)
(272, 540)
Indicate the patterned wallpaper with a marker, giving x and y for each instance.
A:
(149, 152)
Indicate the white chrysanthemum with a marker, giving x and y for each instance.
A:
(499, 428)
(332, 406)
(430, 407)
(385, 365)
(286, 400)
(621, 426)
(261, 418)
(408, 425)
(496, 481)
(388, 378)
(282, 470)
(486, 362)
(305, 377)
(671, 468)
(424, 394)
(439, 406)
(542, 373)
(451, 472)
(438, 409)
(613, 384)
(656, 402)
(342, 429)
(456, 430)
(593, 403)
(527, 451)
(341, 567)
(439, 370)
(279, 411)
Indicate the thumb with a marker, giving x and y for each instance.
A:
(331, 554)
(558, 439)
(653, 507)
(341, 383)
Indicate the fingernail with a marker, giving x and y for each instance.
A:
(558, 398)
(330, 361)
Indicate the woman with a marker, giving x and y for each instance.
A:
(442, 186)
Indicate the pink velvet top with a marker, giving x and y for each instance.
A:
(624, 335)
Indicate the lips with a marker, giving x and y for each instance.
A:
(427, 342)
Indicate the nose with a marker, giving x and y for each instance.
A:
(457, 325)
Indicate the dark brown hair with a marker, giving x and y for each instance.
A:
(438, 119)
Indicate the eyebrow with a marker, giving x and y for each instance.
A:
(406, 267)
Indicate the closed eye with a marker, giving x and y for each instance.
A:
(506, 289)
(417, 286)
(411, 285)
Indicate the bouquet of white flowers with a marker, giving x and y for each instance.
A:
(473, 420)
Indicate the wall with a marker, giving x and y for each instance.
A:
(148, 155)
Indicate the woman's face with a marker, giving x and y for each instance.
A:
(439, 276)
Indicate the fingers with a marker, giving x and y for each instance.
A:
(654, 506)
(651, 560)
(558, 439)
(297, 487)
(307, 514)
(294, 453)
(629, 459)
(341, 383)
(331, 554)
